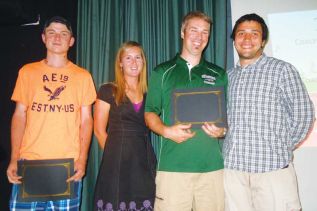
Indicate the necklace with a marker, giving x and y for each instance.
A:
(134, 96)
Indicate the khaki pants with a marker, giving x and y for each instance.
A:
(176, 191)
(271, 191)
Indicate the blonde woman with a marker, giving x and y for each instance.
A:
(126, 175)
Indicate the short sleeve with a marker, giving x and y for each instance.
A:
(105, 93)
(89, 90)
(154, 96)
(20, 93)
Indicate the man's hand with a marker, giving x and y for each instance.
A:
(80, 169)
(178, 133)
(214, 131)
(12, 173)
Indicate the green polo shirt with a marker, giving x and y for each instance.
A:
(200, 153)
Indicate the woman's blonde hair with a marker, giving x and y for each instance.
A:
(120, 83)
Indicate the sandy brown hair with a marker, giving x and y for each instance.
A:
(195, 14)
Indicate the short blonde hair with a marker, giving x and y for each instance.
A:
(195, 14)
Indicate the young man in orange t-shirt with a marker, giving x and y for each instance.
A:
(52, 118)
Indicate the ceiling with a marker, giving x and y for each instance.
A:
(18, 12)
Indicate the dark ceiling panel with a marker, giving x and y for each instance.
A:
(18, 12)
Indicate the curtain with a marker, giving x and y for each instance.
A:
(103, 25)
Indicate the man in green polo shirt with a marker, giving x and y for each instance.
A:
(190, 164)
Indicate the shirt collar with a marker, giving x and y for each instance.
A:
(180, 60)
(257, 62)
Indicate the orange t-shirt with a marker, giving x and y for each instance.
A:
(53, 97)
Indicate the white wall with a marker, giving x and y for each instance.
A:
(293, 38)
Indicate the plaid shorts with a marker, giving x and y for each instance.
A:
(65, 205)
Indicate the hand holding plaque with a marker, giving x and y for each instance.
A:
(199, 105)
(45, 180)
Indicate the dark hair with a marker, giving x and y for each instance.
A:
(195, 14)
(58, 19)
(251, 17)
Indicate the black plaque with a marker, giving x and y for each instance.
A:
(45, 180)
(199, 105)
